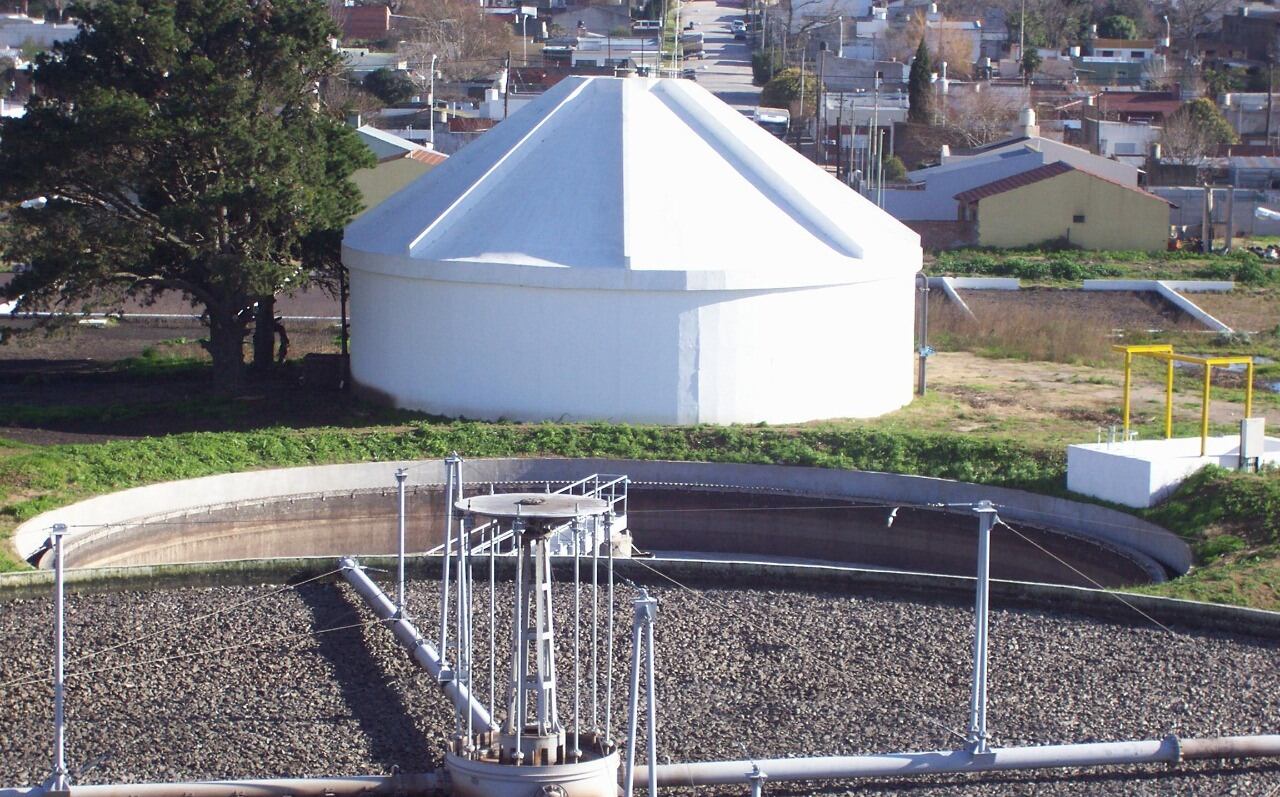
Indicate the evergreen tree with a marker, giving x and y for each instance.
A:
(181, 146)
(920, 87)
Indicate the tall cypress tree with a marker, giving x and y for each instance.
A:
(181, 146)
(919, 88)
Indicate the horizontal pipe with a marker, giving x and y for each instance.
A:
(409, 638)
(357, 786)
(1168, 750)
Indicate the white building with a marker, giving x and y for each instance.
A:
(554, 269)
(19, 30)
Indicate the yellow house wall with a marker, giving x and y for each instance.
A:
(381, 181)
(1115, 217)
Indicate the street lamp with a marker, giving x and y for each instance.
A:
(431, 103)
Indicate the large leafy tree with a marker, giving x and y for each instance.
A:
(920, 86)
(181, 146)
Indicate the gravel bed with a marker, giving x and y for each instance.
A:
(252, 692)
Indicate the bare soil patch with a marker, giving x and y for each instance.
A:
(1242, 309)
(1106, 309)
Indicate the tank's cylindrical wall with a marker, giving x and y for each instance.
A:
(523, 353)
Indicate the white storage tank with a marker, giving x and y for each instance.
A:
(635, 250)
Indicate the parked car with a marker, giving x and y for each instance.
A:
(689, 73)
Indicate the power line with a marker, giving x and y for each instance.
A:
(198, 618)
(1085, 576)
(191, 654)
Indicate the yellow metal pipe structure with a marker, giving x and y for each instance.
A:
(1128, 385)
(1248, 389)
(1204, 411)
(1168, 399)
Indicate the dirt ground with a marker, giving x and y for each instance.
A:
(1109, 309)
(1066, 402)
(78, 383)
(74, 382)
(1243, 310)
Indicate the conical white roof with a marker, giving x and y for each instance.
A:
(631, 183)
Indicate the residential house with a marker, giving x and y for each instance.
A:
(400, 162)
(1247, 114)
(849, 120)
(601, 20)
(1058, 202)
(1116, 62)
(1254, 172)
(361, 60)
(1250, 33)
(1129, 142)
(627, 52)
(861, 75)
(20, 30)
(1150, 107)
(367, 23)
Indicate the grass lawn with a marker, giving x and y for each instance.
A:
(1003, 422)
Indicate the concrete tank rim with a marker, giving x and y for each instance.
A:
(174, 497)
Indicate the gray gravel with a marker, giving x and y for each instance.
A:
(741, 673)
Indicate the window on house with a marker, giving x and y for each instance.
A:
(1078, 218)
(1108, 53)
(1137, 54)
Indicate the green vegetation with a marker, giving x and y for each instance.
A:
(1074, 265)
(765, 64)
(181, 147)
(390, 86)
(1233, 520)
(34, 480)
(919, 87)
(1118, 26)
(786, 90)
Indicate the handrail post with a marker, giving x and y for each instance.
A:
(977, 736)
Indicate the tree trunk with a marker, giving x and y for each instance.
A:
(226, 347)
(264, 334)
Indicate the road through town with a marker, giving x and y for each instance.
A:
(726, 69)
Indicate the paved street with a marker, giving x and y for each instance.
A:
(726, 69)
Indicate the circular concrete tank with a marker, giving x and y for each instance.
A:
(698, 510)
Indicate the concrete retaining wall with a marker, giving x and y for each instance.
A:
(110, 514)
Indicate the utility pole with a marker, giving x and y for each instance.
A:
(506, 84)
(1022, 34)
(822, 100)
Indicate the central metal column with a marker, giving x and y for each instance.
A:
(539, 740)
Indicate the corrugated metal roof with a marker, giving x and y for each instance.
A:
(1015, 181)
(1253, 162)
(1035, 175)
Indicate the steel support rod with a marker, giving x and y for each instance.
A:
(58, 780)
(576, 753)
(641, 635)
(493, 623)
(608, 656)
(595, 624)
(421, 783)
(977, 735)
(651, 694)
(453, 475)
(407, 635)
(1169, 750)
(401, 473)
